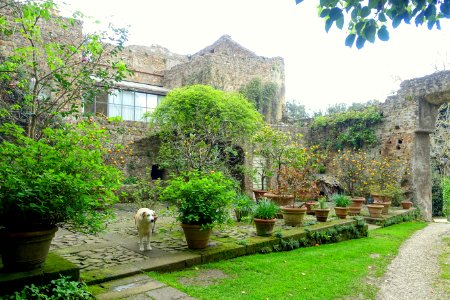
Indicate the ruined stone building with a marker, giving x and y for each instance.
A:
(225, 65)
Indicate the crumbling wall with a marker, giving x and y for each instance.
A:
(228, 66)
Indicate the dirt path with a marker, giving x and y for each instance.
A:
(415, 270)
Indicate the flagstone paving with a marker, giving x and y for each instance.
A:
(112, 262)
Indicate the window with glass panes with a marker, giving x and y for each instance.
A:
(129, 105)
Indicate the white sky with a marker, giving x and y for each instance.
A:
(320, 70)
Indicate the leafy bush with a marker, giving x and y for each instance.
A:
(61, 177)
(203, 198)
(446, 196)
(199, 126)
(341, 200)
(243, 205)
(352, 129)
(59, 289)
(266, 209)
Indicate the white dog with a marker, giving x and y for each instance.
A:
(145, 223)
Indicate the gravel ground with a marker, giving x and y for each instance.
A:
(412, 274)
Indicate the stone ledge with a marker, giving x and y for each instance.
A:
(54, 267)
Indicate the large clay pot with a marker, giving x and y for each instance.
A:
(259, 194)
(25, 250)
(386, 206)
(341, 212)
(195, 237)
(264, 227)
(322, 214)
(310, 207)
(281, 200)
(406, 204)
(356, 205)
(293, 216)
(375, 210)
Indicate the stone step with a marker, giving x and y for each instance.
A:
(136, 287)
(372, 226)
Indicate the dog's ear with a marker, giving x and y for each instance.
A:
(143, 214)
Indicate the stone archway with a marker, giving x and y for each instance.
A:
(424, 97)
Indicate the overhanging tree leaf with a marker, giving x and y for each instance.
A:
(383, 34)
(350, 40)
(380, 12)
(360, 41)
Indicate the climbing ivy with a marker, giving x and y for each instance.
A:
(262, 94)
(350, 129)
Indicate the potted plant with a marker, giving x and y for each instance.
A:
(272, 148)
(243, 206)
(264, 217)
(299, 182)
(203, 200)
(59, 178)
(342, 203)
(322, 210)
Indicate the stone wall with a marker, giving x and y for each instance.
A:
(228, 66)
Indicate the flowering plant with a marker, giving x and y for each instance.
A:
(351, 172)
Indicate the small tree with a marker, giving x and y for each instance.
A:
(200, 127)
(51, 66)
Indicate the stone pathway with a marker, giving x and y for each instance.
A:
(414, 271)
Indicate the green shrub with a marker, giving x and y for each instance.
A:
(60, 178)
(243, 206)
(266, 209)
(203, 198)
(323, 203)
(341, 200)
(446, 196)
(59, 289)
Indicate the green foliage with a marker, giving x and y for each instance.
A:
(365, 21)
(199, 127)
(203, 198)
(61, 177)
(266, 209)
(46, 75)
(323, 203)
(243, 205)
(130, 180)
(341, 200)
(295, 113)
(446, 196)
(59, 289)
(262, 95)
(352, 129)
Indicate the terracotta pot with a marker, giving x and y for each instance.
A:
(375, 210)
(264, 227)
(355, 207)
(281, 200)
(259, 194)
(293, 216)
(386, 206)
(358, 201)
(322, 214)
(406, 204)
(25, 250)
(196, 238)
(309, 207)
(341, 212)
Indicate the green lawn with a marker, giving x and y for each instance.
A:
(330, 271)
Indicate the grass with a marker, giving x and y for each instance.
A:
(330, 271)
(444, 264)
